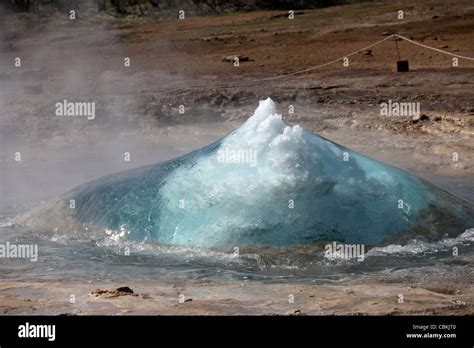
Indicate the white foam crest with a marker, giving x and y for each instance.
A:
(280, 153)
(280, 156)
(117, 241)
(7, 222)
(418, 247)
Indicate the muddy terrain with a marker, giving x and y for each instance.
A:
(211, 298)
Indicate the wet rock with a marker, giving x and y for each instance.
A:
(121, 291)
(424, 117)
(296, 312)
(125, 289)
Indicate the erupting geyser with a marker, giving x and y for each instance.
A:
(267, 183)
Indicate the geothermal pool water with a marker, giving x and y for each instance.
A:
(66, 258)
(257, 204)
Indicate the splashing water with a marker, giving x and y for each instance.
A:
(267, 183)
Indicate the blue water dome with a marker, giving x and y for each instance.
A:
(268, 183)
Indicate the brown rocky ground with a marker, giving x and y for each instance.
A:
(180, 62)
(237, 298)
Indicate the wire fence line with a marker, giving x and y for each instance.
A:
(433, 48)
(356, 52)
(272, 78)
(331, 62)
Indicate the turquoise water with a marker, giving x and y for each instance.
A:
(297, 189)
(259, 204)
(83, 259)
